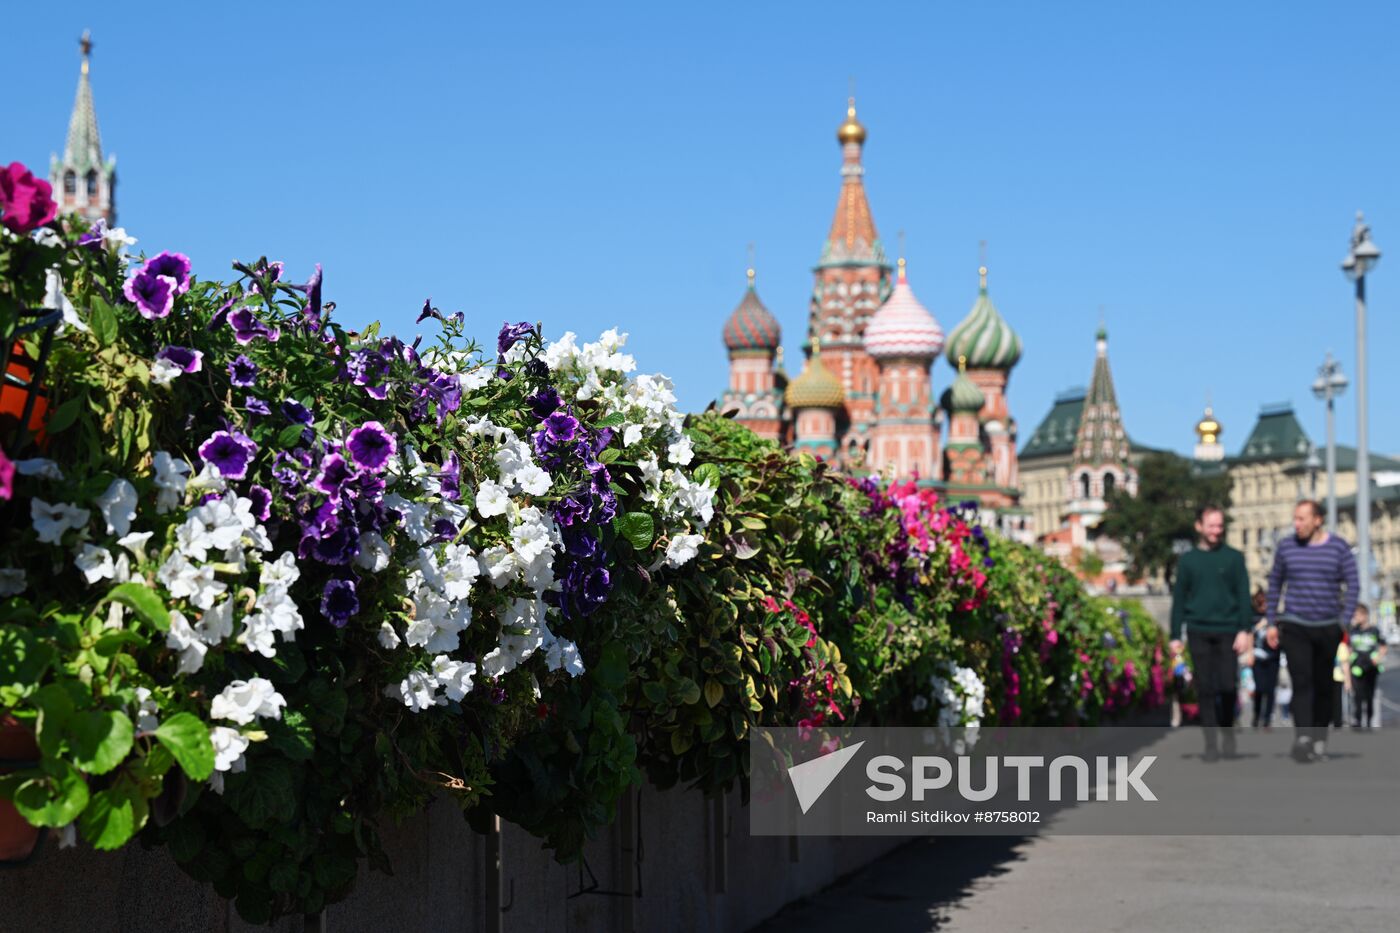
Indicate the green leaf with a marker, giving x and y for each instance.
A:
(707, 473)
(64, 416)
(615, 420)
(100, 740)
(290, 436)
(102, 318)
(114, 815)
(611, 670)
(292, 736)
(609, 455)
(144, 601)
(263, 795)
(638, 528)
(112, 642)
(187, 738)
(23, 658)
(54, 799)
(714, 692)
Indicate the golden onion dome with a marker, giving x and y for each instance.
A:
(851, 131)
(1208, 428)
(817, 386)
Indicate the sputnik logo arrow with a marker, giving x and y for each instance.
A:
(811, 778)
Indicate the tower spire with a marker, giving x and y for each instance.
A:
(84, 180)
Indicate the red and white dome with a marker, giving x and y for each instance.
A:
(902, 326)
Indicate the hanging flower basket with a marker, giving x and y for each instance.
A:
(24, 404)
(19, 841)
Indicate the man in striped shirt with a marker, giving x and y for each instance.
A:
(1315, 575)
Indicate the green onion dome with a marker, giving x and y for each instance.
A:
(816, 387)
(752, 326)
(984, 337)
(963, 394)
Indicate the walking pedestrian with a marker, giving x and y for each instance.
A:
(1266, 663)
(1341, 682)
(1313, 591)
(1367, 662)
(1210, 600)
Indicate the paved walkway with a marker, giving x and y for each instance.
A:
(1143, 884)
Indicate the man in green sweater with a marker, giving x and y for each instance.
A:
(1210, 599)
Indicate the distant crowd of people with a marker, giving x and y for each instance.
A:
(1307, 641)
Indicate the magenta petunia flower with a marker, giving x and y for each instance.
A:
(7, 478)
(229, 452)
(175, 265)
(27, 201)
(153, 295)
(189, 361)
(371, 446)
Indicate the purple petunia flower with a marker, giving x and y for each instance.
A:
(574, 507)
(175, 265)
(96, 235)
(296, 412)
(334, 473)
(247, 327)
(428, 311)
(311, 314)
(189, 361)
(153, 295)
(544, 402)
(450, 478)
(371, 446)
(561, 427)
(256, 405)
(261, 497)
(339, 602)
(511, 334)
(229, 452)
(242, 372)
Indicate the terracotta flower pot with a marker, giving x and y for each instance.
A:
(18, 839)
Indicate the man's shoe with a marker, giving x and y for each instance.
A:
(1211, 755)
(1228, 745)
(1319, 751)
(1302, 751)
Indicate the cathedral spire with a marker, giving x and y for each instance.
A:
(1101, 438)
(853, 240)
(84, 181)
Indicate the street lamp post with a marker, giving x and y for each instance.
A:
(1329, 384)
(1362, 259)
(1312, 464)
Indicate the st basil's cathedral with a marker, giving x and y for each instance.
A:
(865, 399)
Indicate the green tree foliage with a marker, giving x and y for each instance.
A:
(1162, 512)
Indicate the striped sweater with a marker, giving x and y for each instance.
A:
(1310, 579)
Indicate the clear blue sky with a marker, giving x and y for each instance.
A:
(1191, 167)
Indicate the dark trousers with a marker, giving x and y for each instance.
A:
(1265, 683)
(1363, 697)
(1312, 652)
(1338, 704)
(1217, 678)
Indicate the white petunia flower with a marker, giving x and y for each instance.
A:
(491, 499)
(229, 746)
(388, 638)
(53, 521)
(95, 563)
(146, 710)
(37, 466)
(681, 451)
(135, 542)
(455, 677)
(118, 507)
(245, 700)
(417, 691)
(54, 298)
(216, 623)
(12, 581)
(164, 372)
(682, 549)
(500, 564)
(280, 572)
(374, 552)
(171, 479)
(182, 638)
(631, 434)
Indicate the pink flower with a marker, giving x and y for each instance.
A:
(28, 201)
(7, 478)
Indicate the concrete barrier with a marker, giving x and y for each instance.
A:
(673, 861)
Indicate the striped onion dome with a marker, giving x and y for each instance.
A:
(751, 326)
(984, 337)
(816, 387)
(903, 327)
(963, 394)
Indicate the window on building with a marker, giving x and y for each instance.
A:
(70, 183)
(92, 184)
(1108, 482)
(1084, 485)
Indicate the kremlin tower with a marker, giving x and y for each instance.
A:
(904, 339)
(83, 183)
(752, 337)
